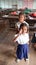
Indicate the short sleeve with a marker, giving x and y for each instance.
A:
(18, 39)
(16, 25)
(27, 24)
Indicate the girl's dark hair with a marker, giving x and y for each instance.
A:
(24, 24)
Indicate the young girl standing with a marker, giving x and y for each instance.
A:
(21, 20)
(23, 40)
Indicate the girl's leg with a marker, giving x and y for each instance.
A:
(20, 52)
(25, 51)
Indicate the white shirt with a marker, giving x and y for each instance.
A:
(19, 23)
(22, 39)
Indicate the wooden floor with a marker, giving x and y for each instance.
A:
(8, 51)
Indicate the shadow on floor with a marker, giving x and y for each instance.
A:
(10, 54)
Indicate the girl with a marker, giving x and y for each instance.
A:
(22, 38)
(21, 20)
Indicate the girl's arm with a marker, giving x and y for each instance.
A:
(15, 38)
(20, 32)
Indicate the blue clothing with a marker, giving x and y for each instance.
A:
(22, 51)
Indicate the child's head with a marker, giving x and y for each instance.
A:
(21, 17)
(24, 28)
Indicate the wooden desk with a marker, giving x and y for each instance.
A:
(10, 17)
(12, 20)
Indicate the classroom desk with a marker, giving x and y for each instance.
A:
(14, 18)
(11, 19)
(10, 16)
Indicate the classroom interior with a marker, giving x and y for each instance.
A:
(9, 16)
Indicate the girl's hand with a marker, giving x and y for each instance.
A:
(20, 32)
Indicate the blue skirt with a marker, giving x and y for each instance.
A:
(22, 51)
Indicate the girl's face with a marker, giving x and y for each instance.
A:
(24, 29)
(21, 19)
